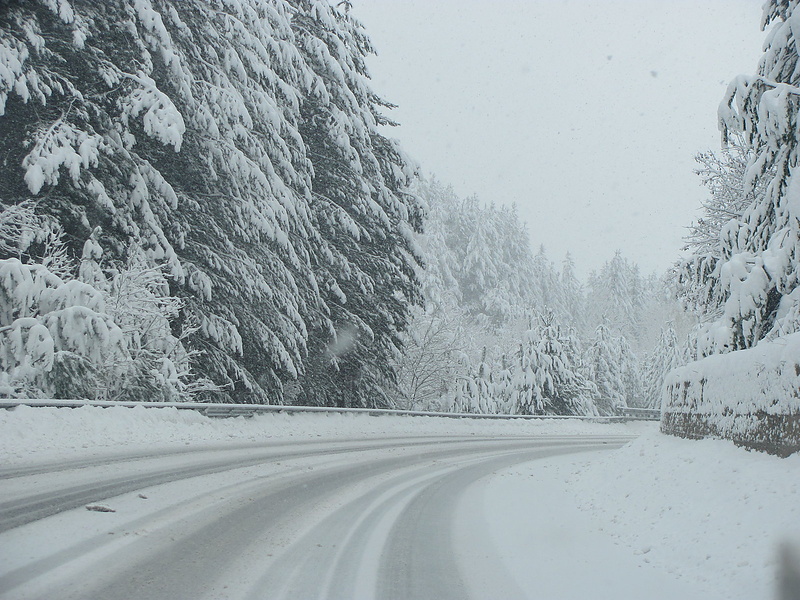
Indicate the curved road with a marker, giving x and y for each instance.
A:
(350, 519)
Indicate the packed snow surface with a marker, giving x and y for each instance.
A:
(661, 517)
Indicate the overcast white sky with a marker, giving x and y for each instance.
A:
(586, 113)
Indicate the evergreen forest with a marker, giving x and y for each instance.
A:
(202, 200)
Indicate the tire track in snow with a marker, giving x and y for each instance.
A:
(353, 504)
(32, 507)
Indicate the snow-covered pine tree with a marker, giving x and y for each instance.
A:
(549, 377)
(755, 282)
(615, 297)
(666, 355)
(169, 116)
(185, 125)
(367, 220)
(608, 365)
(573, 307)
(547, 289)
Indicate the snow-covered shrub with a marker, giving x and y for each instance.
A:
(56, 338)
(106, 335)
(25, 233)
(137, 298)
(18, 226)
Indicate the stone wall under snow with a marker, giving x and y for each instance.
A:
(750, 396)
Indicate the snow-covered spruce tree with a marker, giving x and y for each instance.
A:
(631, 374)
(479, 271)
(548, 295)
(490, 254)
(574, 390)
(573, 301)
(503, 377)
(530, 378)
(365, 267)
(615, 297)
(609, 359)
(549, 377)
(517, 277)
(189, 126)
(760, 251)
(438, 274)
(698, 276)
(665, 356)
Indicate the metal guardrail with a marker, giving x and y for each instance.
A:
(248, 410)
(642, 414)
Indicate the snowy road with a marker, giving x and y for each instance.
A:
(343, 519)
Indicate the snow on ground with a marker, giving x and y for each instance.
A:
(701, 519)
(30, 434)
(707, 515)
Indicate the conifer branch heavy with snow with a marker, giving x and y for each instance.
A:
(760, 269)
(237, 144)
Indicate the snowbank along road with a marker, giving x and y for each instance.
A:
(345, 519)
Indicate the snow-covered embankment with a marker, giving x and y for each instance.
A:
(706, 517)
(750, 396)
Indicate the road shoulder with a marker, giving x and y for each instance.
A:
(542, 545)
